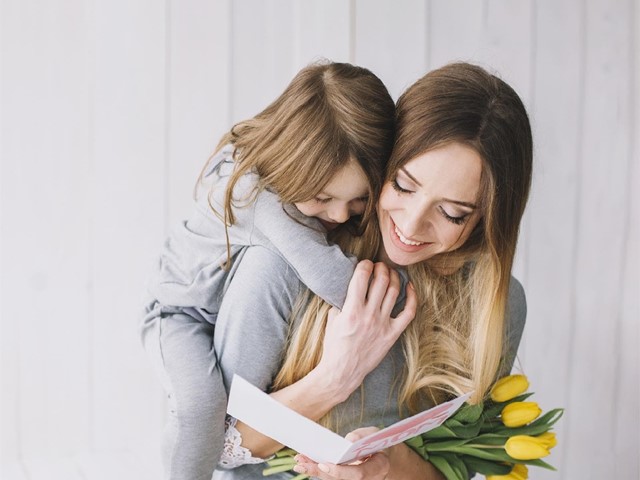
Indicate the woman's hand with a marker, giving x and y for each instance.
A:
(375, 467)
(398, 462)
(358, 337)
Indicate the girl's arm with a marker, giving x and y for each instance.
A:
(356, 340)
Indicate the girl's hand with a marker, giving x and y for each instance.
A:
(375, 467)
(358, 337)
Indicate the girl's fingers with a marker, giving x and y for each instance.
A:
(357, 291)
(391, 294)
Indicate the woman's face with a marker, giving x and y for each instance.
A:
(431, 205)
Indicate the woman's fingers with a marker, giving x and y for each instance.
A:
(409, 312)
(391, 294)
(359, 433)
(375, 467)
(358, 286)
(378, 286)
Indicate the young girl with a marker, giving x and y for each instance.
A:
(312, 161)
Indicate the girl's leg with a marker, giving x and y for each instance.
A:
(181, 348)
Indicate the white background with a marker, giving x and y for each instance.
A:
(110, 107)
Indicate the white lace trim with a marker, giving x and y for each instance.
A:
(233, 453)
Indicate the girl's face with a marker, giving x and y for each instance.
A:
(344, 196)
(430, 207)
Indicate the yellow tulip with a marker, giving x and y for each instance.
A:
(549, 439)
(518, 472)
(525, 447)
(509, 387)
(517, 414)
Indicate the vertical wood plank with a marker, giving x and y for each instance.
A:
(44, 223)
(198, 91)
(556, 116)
(262, 53)
(603, 204)
(455, 31)
(391, 39)
(128, 213)
(322, 30)
(626, 441)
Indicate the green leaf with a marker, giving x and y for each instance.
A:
(274, 462)
(443, 466)
(468, 413)
(444, 446)
(286, 452)
(486, 467)
(490, 439)
(467, 431)
(415, 442)
(494, 454)
(440, 432)
(457, 464)
(277, 469)
(538, 463)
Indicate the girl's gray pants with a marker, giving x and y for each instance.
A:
(181, 350)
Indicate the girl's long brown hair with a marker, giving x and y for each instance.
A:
(329, 115)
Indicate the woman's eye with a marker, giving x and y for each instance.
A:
(396, 186)
(322, 200)
(455, 220)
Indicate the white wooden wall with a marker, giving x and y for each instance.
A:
(110, 107)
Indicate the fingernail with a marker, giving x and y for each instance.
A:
(323, 467)
(299, 469)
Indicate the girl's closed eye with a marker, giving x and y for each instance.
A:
(323, 200)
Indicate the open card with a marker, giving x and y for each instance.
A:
(257, 409)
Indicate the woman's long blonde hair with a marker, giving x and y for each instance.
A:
(329, 115)
(455, 343)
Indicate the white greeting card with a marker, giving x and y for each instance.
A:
(260, 411)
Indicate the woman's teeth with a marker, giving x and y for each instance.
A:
(405, 240)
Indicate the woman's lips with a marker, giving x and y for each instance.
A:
(399, 240)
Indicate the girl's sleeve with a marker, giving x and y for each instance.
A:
(301, 241)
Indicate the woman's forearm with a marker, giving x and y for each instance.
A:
(312, 397)
(405, 464)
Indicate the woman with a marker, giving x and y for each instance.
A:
(449, 212)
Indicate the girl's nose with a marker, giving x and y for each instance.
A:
(339, 213)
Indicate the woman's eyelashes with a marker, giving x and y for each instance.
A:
(396, 186)
(453, 219)
(322, 200)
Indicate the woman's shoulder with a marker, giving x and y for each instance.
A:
(260, 271)
(517, 301)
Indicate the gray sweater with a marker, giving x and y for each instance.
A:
(189, 272)
(251, 332)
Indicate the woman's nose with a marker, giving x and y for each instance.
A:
(416, 223)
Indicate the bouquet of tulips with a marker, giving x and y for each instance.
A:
(498, 438)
